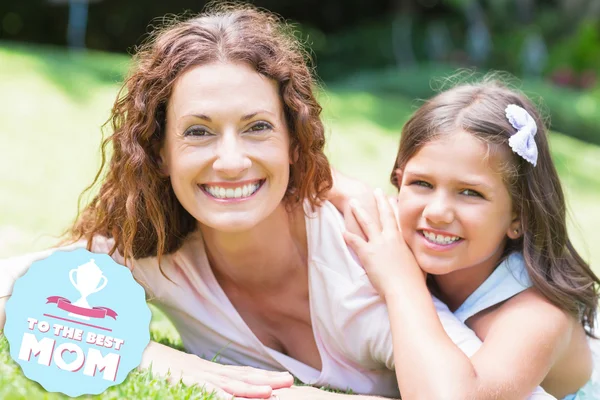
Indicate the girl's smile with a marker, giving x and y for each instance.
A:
(439, 241)
(456, 211)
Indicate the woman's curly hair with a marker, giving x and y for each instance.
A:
(135, 204)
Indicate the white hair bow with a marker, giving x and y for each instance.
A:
(522, 142)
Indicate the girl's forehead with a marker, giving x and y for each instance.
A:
(458, 153)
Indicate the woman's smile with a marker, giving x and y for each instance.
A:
(227, 157)
(231, 192)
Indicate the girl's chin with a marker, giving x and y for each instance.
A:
(434, 266)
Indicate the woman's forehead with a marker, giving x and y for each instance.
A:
(217, 87)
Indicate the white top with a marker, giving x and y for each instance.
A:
(507, 280)
(349, 319)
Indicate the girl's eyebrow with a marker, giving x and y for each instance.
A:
(472, 183)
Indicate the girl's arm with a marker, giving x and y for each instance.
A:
(518, 350)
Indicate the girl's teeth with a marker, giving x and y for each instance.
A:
(440, 239)
(229, 193)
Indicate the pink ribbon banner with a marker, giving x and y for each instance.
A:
(95, 312)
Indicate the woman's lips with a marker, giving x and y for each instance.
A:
(232, 192)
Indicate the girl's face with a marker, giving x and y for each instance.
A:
(226, 148)
(455, 210)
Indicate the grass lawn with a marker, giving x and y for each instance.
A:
(54, 104)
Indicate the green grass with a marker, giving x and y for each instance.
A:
(138, 384)
(54, 104)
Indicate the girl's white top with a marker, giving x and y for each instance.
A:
(349, 319)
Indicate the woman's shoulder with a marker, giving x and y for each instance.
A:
(327, 249)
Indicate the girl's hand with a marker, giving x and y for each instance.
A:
(343, 191)
(384, 254)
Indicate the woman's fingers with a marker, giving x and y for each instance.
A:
(277, 380)
(243, 389)
(255, 376)
(228, 382)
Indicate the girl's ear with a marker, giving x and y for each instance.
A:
(515, 229)
(398, 173)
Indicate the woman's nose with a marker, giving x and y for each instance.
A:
(439, 210)
(232, 159)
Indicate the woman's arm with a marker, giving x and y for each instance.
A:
(428, 364)
(224, 380)
(164, 361)
(312, 393)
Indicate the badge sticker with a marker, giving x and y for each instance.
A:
(77, 322)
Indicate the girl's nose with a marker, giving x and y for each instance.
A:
(439, 210)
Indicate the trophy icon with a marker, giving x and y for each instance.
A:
(88, 278)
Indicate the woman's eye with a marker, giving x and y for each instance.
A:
(196, 131)
(471, 193)
(260, 127)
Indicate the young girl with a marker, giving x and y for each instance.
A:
(482, 213)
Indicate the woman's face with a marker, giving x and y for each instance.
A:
(227, 146)
(455, 209)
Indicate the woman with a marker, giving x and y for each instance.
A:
(215, 198)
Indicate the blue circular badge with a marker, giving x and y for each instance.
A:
(77, 322)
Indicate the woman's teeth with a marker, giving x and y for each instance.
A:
(440, 239)
(230, 193)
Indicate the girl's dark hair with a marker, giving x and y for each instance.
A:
(136, 205)
(554, 266)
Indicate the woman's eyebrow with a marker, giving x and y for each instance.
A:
(199, 116)
(254, 114)
(245, 117)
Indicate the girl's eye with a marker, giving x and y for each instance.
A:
(260, 127)
(471, 193)
(197, 131)
(421, 183)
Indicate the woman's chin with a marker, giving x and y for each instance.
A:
(231, 222)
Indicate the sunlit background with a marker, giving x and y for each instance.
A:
(61, 64)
